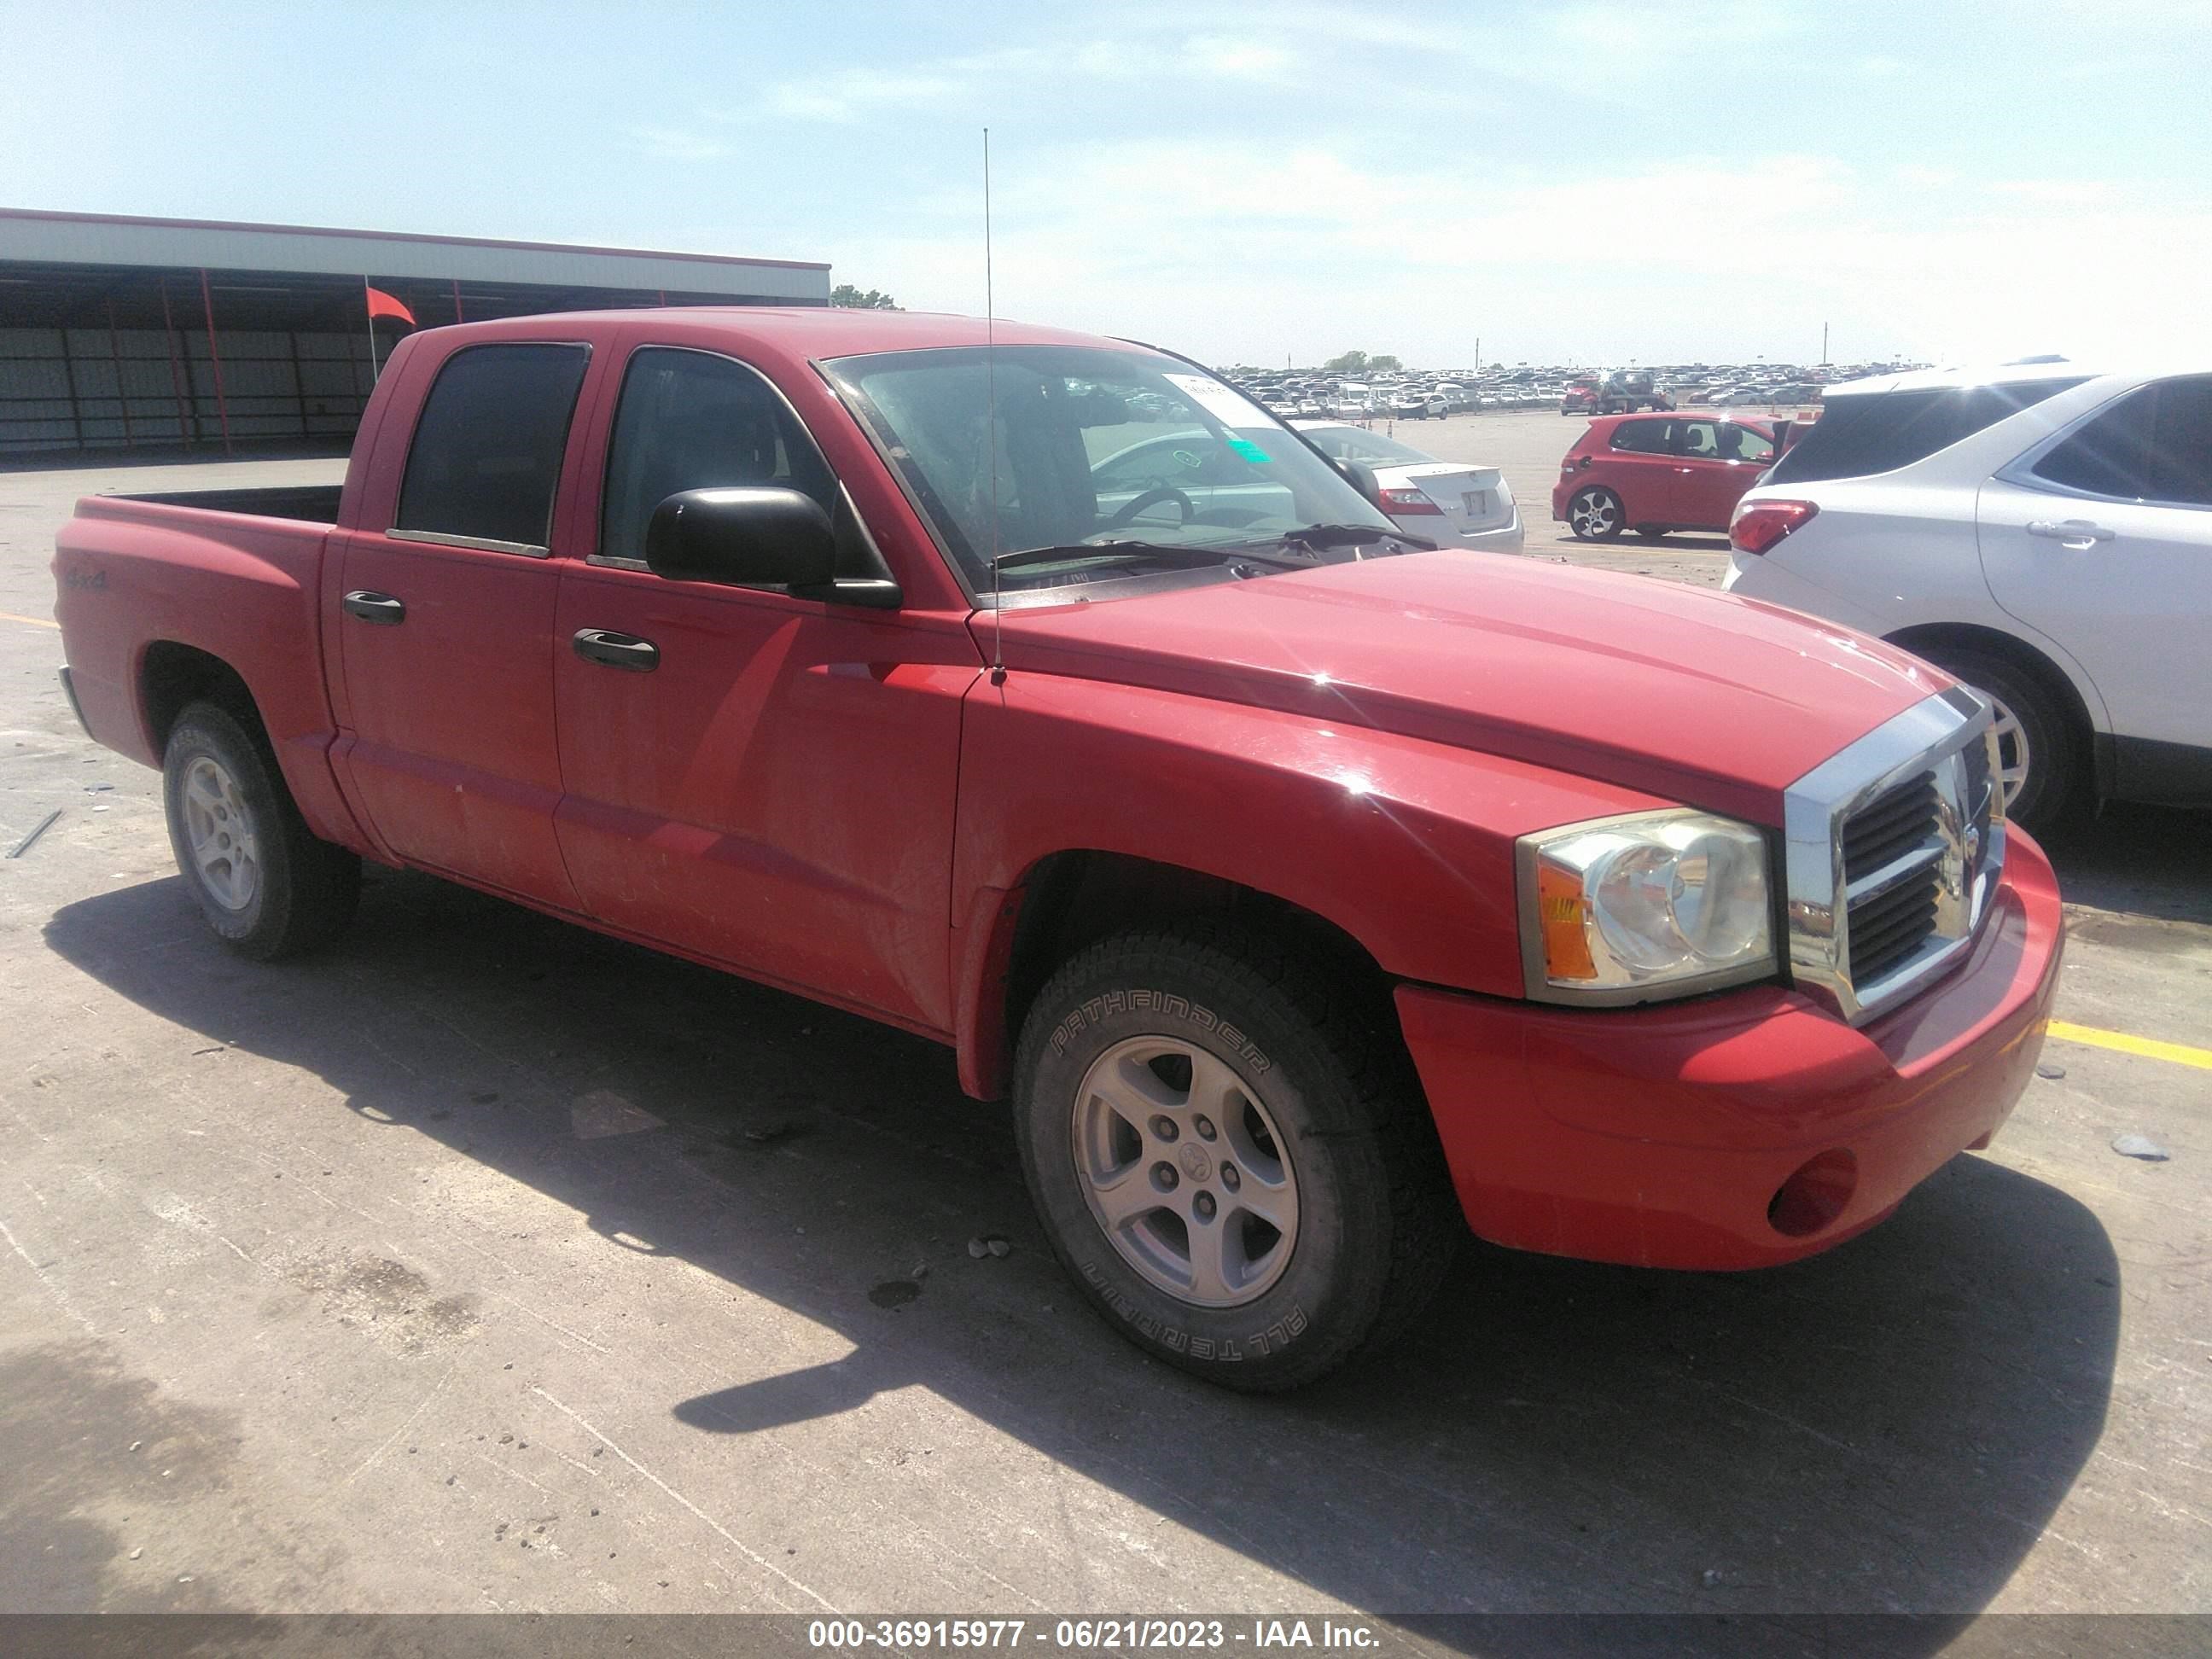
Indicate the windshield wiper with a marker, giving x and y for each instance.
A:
(1351, 535)
(1184, 555)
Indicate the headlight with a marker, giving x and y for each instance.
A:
(1637, 909)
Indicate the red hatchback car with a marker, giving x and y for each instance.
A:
(1654, 473)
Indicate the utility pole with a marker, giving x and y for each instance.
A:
(1824, 342)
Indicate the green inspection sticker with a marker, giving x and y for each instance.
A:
(1250, 451)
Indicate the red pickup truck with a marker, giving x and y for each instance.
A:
(1315, 895)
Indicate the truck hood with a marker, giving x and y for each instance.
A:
(1682, 693)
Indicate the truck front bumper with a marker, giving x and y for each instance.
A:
(1739, 1130)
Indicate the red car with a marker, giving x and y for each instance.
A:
(1314, 894)
(1654, 473)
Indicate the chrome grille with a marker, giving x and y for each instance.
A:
(1893, 859)
(1896, 823)
(1894, 847)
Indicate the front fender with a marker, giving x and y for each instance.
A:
(1405, 844)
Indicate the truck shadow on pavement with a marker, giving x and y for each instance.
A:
(1886, 1427)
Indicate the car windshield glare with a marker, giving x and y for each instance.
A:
(1091, 445)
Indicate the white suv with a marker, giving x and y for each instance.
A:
(2042, 534)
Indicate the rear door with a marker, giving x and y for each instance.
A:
(2101, 538)
(1641, 467)
(752, 777)
(446, 625)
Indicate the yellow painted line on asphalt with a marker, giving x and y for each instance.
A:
(35, 622)
(2179, 1053)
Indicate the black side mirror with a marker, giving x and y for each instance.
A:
(1361, 478)
(744, 537)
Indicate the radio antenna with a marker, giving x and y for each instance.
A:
(991, 422)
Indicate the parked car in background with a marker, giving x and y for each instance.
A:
(1446, 501)
(2042, 533)
(1657, 473)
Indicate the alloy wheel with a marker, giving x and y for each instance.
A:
(1591, 514)
(1185, 1171)
(225, 848)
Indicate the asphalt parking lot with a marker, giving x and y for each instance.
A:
(484, 1263)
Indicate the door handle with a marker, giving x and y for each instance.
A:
(2076, 533)
(378, 608)
(627, 650)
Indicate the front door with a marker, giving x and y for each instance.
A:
(1643, 471)
(755, 778)
(446, 627)
(2103, 542)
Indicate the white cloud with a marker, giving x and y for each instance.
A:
(1229, 58)
(853, 93)
(673, 144)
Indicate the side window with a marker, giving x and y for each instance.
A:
(486, 455)
(2109, 455)
(1741, 443)
(1700, 440)
(690, 420)
(1643, 437)
(2181, 442)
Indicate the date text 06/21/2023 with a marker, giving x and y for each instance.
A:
(1084, 1634)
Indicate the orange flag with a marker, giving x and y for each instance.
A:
(381, 304)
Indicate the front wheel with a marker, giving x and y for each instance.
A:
(263, 882)
(1595, 514)
(1230, 1154)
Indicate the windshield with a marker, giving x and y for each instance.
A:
(1349, 443)
(1092, 446)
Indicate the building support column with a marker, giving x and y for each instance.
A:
(188, 412)
(215, 359)
(122, 391)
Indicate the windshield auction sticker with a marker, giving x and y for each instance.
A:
(1230, 407)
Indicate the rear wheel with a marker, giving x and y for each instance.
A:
(1230, 1154)
(263, 882)
(1595, 514)
(2039, 747)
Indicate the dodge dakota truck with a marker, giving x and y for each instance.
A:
(1313, 895)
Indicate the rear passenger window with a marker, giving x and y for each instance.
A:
(690, 420)
(1642, 437)
(2155, 444)
(486, 457)
(1862, 433)
(2109, 455)
(2181, 442)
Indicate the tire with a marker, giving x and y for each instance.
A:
(263, 882)
(1594, 515)
(2039, 745)
(1323, 1129)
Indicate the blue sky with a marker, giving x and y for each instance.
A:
(1680, 179)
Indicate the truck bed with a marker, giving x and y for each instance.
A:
(313, 503)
